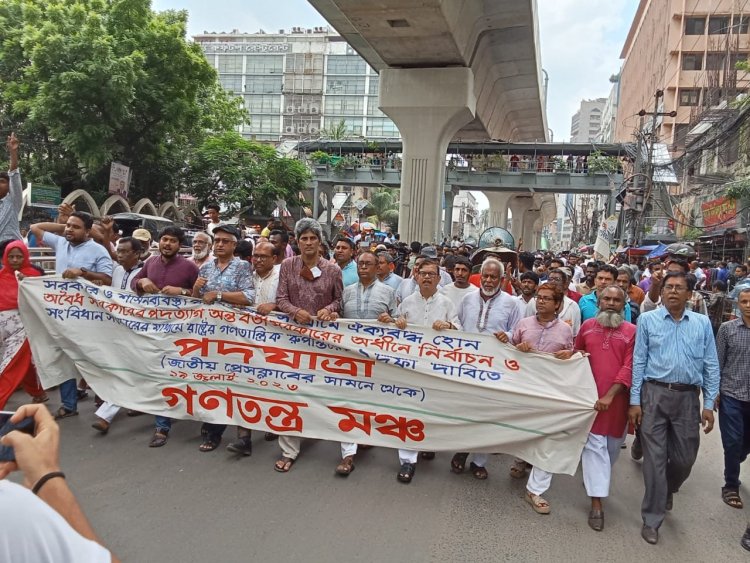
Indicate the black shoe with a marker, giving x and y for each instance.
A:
(745, 541)
(241, 446)
(82, 394)
(651, 535)
(636, 452)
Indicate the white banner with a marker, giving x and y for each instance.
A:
(349, 380)
(602, 247)
(119, 179)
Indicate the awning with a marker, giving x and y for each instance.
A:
(660, 250)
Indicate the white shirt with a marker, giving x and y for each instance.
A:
(424, 312)
(32, 531)
(121, 278)
(499, 313)
(456, 294)
(265, 288)
(578, 275)
(570, 314)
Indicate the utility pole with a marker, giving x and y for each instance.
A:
(640, 209)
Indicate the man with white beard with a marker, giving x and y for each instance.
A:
(609, 341)
(202, 243)
(486, 311)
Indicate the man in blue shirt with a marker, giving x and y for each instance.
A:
(606, 276)
(674, 360)
(343, 252)
(76, 256)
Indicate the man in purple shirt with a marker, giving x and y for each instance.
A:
(309, 286)
(170, 274)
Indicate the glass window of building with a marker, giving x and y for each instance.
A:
(303, 83)
(692, 61)
(374, 85)
(715, 61)
(372, 107)
(353, 124)
(231, 83)
(231, 64)
(718, 25)
(741, 24)
(264, 64)
(695, 26)
(263, 104)
(381, 127)
(263, 85)
(304, 63)
(689, 96)
(263, 124)
(344, 105)
(346, 64)
(349, 85)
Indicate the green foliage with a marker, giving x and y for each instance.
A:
(383, 208)
(599, 162)
(692, 233)
(87, 82)
(739, 189)
(320, 157)
(229, 169)
(337, 132)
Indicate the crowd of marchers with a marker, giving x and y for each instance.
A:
(660, 366)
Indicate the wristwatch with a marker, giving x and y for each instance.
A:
(185, 292)
(218, 296)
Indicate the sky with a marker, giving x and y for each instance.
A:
(580, 40)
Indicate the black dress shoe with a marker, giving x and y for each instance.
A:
(651, 535)
(636, 451)
(745, 541)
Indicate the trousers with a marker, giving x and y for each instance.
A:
(734, 424)
(290, 446)
(599, 455)
(670, 438)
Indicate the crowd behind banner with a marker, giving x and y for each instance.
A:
(666, 341)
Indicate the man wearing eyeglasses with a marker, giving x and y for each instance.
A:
(424, 308)
(674, 360)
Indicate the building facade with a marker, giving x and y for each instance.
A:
(689, 51)
(609, 113)
(297, 84)
(587, 121)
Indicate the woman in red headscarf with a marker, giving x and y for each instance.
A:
(15, 353)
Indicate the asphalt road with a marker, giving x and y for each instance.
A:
(176, 504)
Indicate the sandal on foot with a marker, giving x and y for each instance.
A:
(210, 443)
(427, 455)
(458, 463)
(596, 520)
(538, 503)
(346, 466)
(40, 399)
(731, 497)
(158, 440)
(406, 472)
(284, 464)
(62, 412)
(518, 469)
(478, 472)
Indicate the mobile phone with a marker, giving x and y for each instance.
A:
(26, 425)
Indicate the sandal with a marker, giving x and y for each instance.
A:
(478, 472)
(458, 463)
(284, 464)
(40, 399)
(158, 440)
(731, 497)
(406, 473)
(62, 412)
(518, 469)
(427, 455)
(346, 466)
(210, 443)
(538, 503)
(596, 520)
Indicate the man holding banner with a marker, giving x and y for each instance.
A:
(309, 286)
(424, 308)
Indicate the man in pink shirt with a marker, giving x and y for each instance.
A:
(608, 340)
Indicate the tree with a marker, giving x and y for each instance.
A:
(87, 82)
(337, 132)
(383, 208)
(237, 172)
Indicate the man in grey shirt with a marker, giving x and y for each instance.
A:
(11, 195)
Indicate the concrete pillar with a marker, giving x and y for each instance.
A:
(428, 105)
(498, 208)
(530, 235)
(518, 207)
(450, 196)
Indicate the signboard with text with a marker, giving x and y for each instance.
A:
(47, 196)
(719, 214)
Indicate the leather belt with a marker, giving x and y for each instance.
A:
(674, 386)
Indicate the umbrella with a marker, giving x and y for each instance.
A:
(680, 249)
(496, 236)
(367, 226)
(658, 252)
(501, 252)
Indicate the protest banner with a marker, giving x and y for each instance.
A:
(349, 380)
